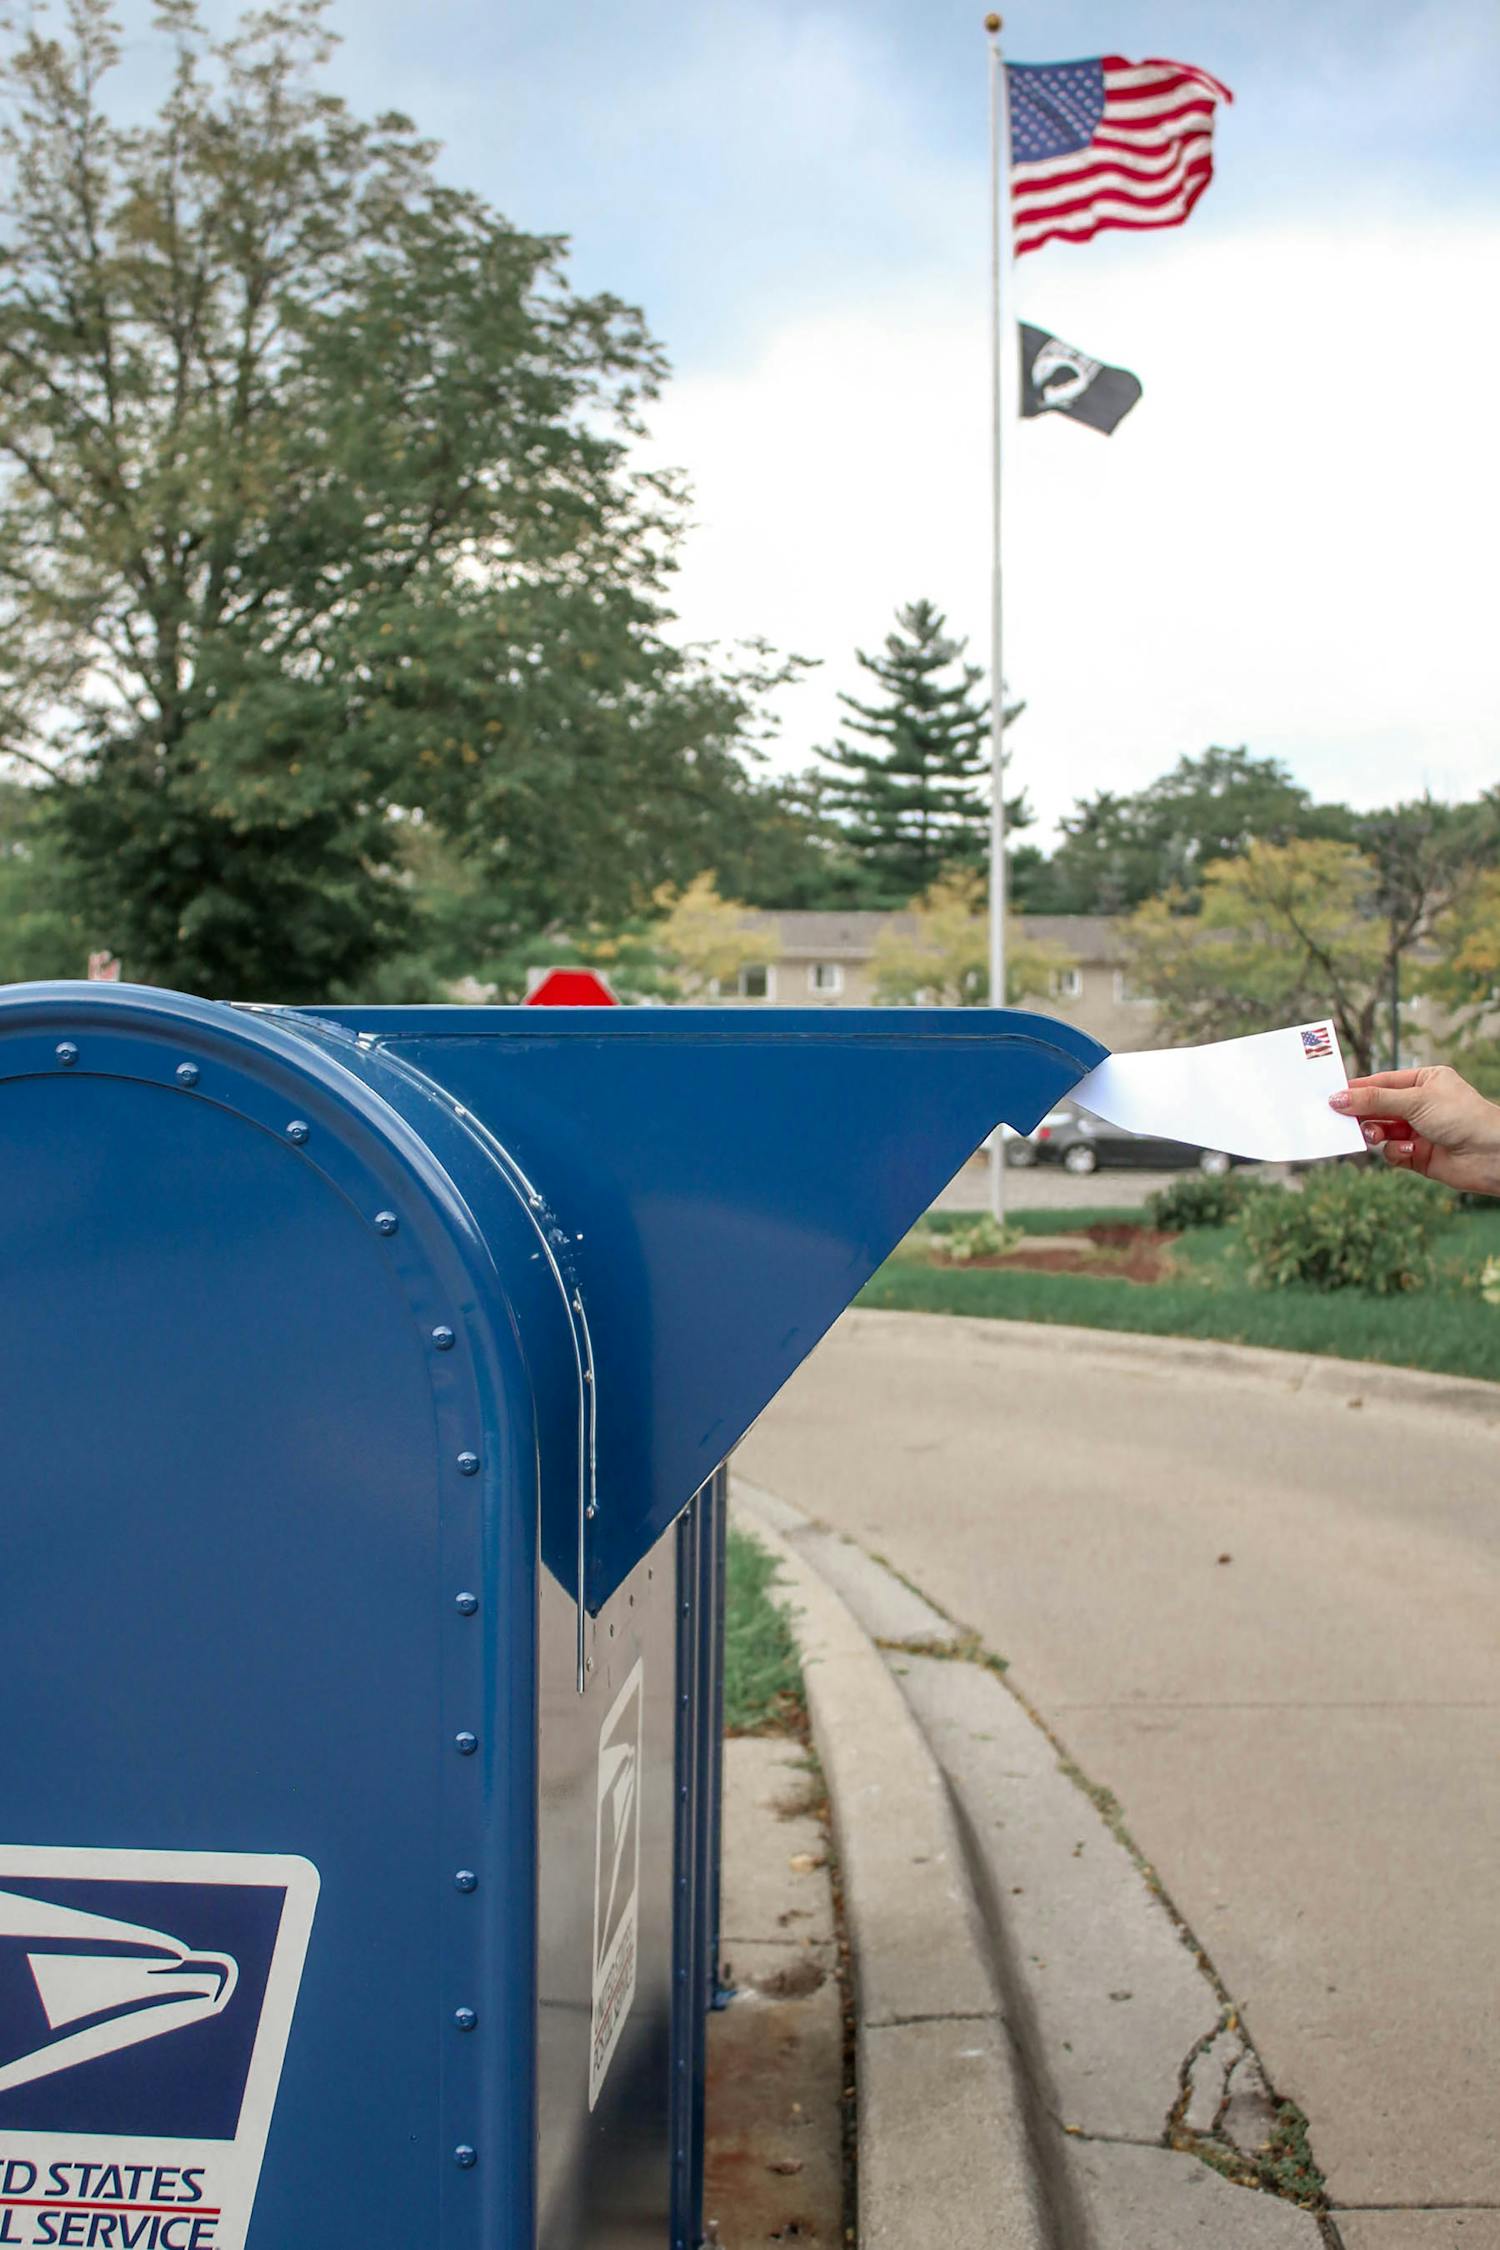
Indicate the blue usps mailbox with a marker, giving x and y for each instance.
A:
(366, 1375)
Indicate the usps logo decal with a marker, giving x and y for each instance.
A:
(145, 2003)
(617, 1875)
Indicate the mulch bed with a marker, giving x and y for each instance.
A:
(1114, 1253)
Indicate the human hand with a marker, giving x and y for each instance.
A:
(1429, 1121)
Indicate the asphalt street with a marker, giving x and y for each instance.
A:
(1266, 1619)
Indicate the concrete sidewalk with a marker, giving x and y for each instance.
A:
(1043, 2062)
(1261, 1610)
(774, 2153)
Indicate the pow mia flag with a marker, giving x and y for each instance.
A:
(1056, 379)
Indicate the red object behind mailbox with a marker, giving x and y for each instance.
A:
(572, 988)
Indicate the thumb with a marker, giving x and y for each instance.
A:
(1378, 1101)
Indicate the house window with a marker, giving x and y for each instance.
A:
(1128, 993)
(754, 981)
(825, 976)
(1067, 984)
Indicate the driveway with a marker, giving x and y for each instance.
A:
(1268, 1619)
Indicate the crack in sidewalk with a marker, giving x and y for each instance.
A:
(1254, 2137)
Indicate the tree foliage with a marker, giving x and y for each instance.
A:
(39, 936)
(1286, 931)
(705, 940)
(315, 514)
(944, 958)
(1119, 850)
(914, 805)
(1309, 928)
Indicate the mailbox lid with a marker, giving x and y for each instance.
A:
(723, 1183)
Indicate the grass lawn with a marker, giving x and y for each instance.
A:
(1447, 1327)
(762, 1677)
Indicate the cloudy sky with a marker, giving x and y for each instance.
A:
(1291, 541)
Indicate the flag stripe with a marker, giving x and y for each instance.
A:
(1118, 72)
(1142, 163)
(1147, 157)
(1128, 174)
(1097, 218)
(1114, 199)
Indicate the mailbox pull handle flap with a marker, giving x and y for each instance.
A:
(727, 1183)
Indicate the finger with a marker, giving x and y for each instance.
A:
(1400, 1153)
(1387, 1078)
(1377, 1101)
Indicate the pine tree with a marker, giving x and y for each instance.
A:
(915, 805)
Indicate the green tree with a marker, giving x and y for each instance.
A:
(776, 844)
(1313, 927)
(39, 935)
(1118, 850)
(944, 958)
(915, 805)
(315, 514)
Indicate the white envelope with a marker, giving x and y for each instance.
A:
(1264, 1097)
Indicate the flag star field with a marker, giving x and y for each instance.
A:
(1055, 108)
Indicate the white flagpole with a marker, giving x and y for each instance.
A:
(999, 239)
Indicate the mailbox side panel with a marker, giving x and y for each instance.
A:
(609, 1778)
(234, 1524)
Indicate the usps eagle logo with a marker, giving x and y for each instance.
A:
(145, 1993)
(102, 1985)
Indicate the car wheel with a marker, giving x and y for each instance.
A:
(1080, 1159)
(1018, 1154)
(1213, 1162)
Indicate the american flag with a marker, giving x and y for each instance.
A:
(1316, 1043)
(1107, 143)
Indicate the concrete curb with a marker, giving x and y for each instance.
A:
(945, 2155)
(1107, 2080)
(1364, 1380)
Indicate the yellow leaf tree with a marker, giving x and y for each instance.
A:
(945, 959)
(1465, 980)
(1288, 931)
(705, 940)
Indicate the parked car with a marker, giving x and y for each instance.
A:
(1080, 1143)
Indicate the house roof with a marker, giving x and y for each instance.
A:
(805, 933)
(1088, 937)
(828, 935)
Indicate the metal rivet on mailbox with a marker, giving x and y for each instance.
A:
(386, 1222)
(466, 1879)
(443, 1339)
(468, 1464)
(465, 2018)
(466, 1744)
(464, 2157)
(66, 1052)
(187, 1074)
(297, 1131)
(468, 1603)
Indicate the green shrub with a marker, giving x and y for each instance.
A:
(960, 1246)
(1197, 1201)
(1351, 1226)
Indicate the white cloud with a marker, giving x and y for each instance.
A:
(1289, 543)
